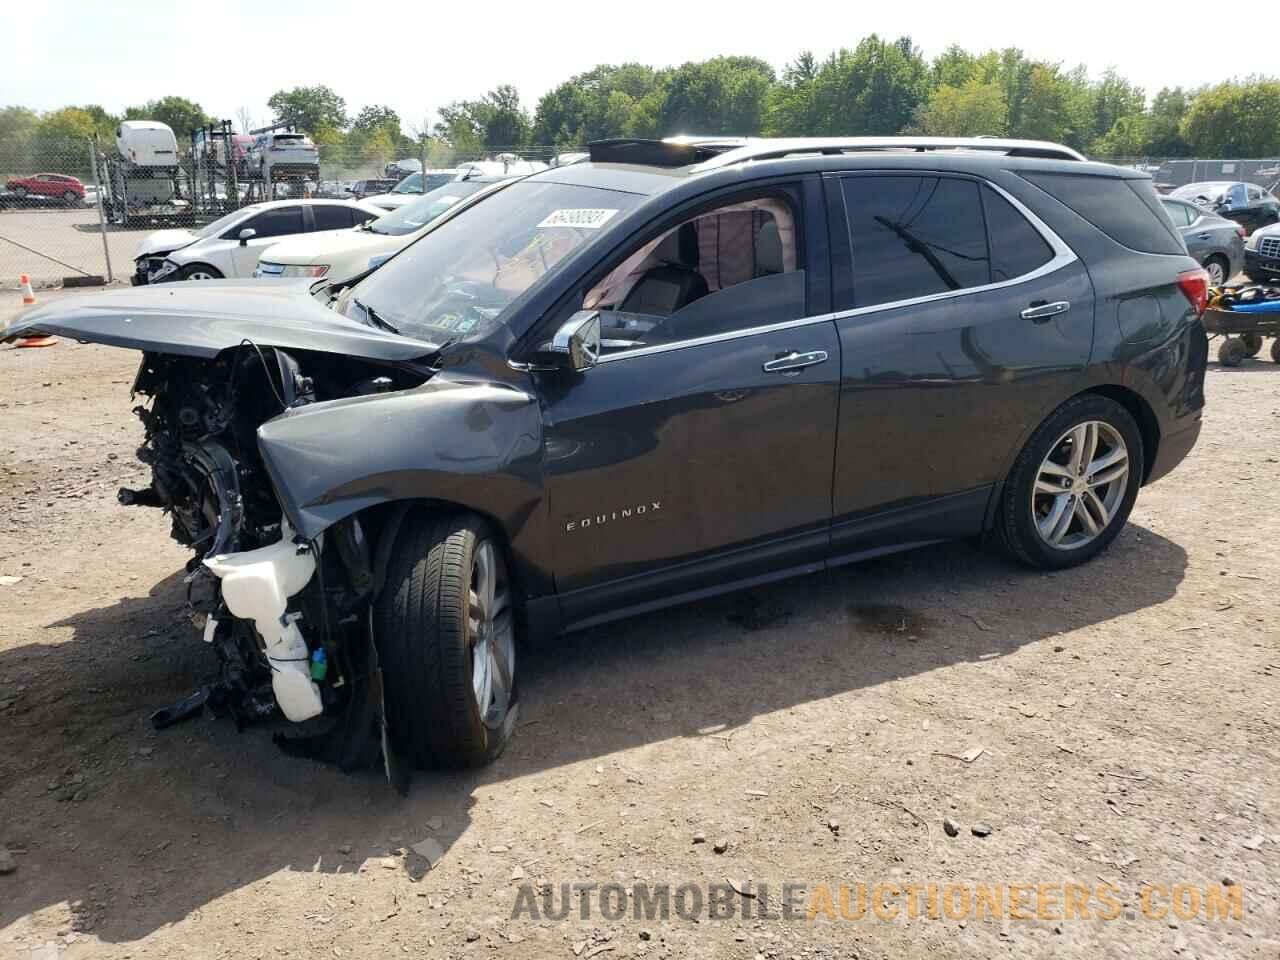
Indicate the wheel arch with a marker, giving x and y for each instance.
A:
(1143, 415)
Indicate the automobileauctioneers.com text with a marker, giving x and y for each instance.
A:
(884, 901)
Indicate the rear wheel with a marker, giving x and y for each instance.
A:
(1231, 352)
(1252, 344)
(1073, 485)
(199, 271)
(1217, 268)
(1275, 350)
(71, 196)
(445, 628)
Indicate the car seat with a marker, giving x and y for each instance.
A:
(673, 281)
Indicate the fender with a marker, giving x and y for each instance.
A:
(474, 443)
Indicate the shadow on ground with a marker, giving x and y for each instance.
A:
(201, 810)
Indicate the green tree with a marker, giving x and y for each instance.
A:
(791, 108)
(971, 109)
(1235, 119)
(1164, 122)
(606, 101)
(180, 114)
(873, 89)
(374, 117)
(723, 95)
(1128, 137)
(1115, 98)
(17, 123)
(69, 123)
(309, 108)
(954, 67)
(504, 122)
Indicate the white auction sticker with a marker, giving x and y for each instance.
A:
(587, 219)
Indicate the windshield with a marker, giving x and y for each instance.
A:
(458, 279)
(1209, 191)
(222, 223)
(410, 184)
(416, 215)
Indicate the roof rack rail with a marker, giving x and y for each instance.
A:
(768, 149)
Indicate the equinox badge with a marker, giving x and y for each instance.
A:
(600, 519)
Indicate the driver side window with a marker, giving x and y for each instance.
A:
(733, 267)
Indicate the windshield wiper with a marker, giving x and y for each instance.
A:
(374, 319)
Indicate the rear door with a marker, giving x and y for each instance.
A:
(959, 314)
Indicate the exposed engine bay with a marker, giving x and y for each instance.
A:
(288, 618)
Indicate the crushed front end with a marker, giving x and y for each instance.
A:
(288, 617)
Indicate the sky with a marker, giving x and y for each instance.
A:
(228, 54)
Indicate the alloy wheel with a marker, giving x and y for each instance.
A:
(1080, 485)
(492, 635)
(1217, 275)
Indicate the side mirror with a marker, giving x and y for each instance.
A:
(576, 344)
(247, 234)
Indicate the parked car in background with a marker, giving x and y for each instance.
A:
(1216, 242)
(229, 247)
(277, 155)
(362, 189)
(399, 169)
(343, 254)
(58, 185)
(1246, 203)
(412, 187)
(1262, 255)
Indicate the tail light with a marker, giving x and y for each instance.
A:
(1194, 285)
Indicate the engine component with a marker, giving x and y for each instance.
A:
(257, 585)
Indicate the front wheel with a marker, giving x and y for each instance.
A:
(444, 624)
(199, 271)
(1073, 484)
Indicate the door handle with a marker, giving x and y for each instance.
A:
(1040, 311)
(792, 363)
(1203, 236)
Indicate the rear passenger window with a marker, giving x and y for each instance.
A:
(914, 236)
(1125, 210)
(1016, 246)
(331, 216)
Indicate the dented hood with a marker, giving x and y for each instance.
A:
(203, 318)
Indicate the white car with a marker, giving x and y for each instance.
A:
(412, 187)
(229, 247)
(342, 254)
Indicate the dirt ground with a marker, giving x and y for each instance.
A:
(1126, 711)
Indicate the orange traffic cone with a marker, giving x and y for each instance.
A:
(29, 300)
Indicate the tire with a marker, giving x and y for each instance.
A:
(72, 197)
(432, 649)
(1026, 524)
(20, 192)
(1275, 350)
(1231, 352)
(199, 271)
(1252, 344)
(1218, 269)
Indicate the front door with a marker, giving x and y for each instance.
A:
(699, 450)
(270, 225)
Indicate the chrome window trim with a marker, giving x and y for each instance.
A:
(1062, 256)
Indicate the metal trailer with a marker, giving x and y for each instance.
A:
(1243, 334)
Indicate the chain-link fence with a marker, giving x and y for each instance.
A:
(50, 227)
(77, 209)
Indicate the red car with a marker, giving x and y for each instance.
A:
(48, 185)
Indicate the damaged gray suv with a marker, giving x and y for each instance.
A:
(675, 369)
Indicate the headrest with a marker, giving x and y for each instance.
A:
(768, 249)
(680, 247)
